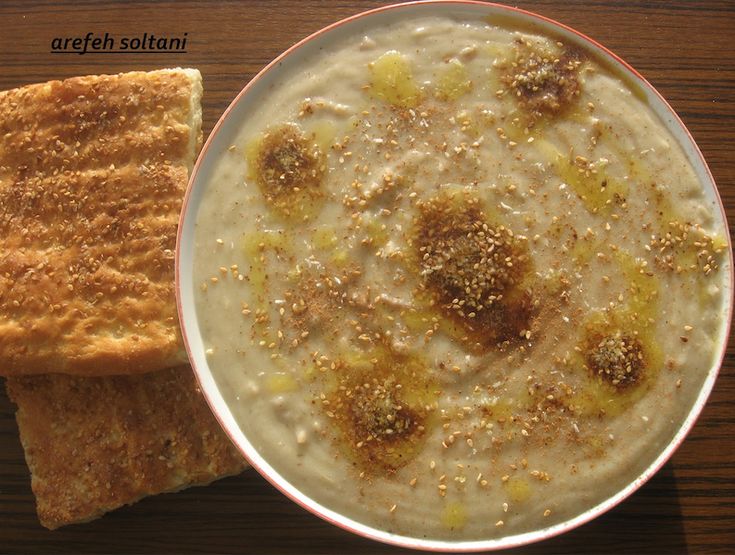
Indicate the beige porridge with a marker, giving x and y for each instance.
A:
(457, 281)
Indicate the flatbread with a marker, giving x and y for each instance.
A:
(92, 176)
(95, 444)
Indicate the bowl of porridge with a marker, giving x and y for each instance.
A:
(452, 276)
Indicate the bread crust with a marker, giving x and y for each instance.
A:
(92, 176)
(95, 444)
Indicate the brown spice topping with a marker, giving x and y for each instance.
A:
(287, 162)
(618, 359)
(686, 247)
(475, 271)
(542, 81)
(377, 413)
(372, 410)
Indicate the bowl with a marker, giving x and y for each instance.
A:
(224, 134)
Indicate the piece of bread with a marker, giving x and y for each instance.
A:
(92, 176)
(95, 444)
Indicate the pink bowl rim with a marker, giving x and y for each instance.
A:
(508, 541)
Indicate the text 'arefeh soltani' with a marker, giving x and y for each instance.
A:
(108, 44)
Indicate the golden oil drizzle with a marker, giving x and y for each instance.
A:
(453, 81)
(391, 80)
(454, 515)
(635, 319)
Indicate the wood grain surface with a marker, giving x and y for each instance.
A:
(685, 48)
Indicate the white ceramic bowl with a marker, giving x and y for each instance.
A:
(222, 136)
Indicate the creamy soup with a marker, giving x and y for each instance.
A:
(457, 281)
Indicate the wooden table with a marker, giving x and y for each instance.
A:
(685, 48)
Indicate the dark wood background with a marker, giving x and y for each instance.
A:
(685, 48)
